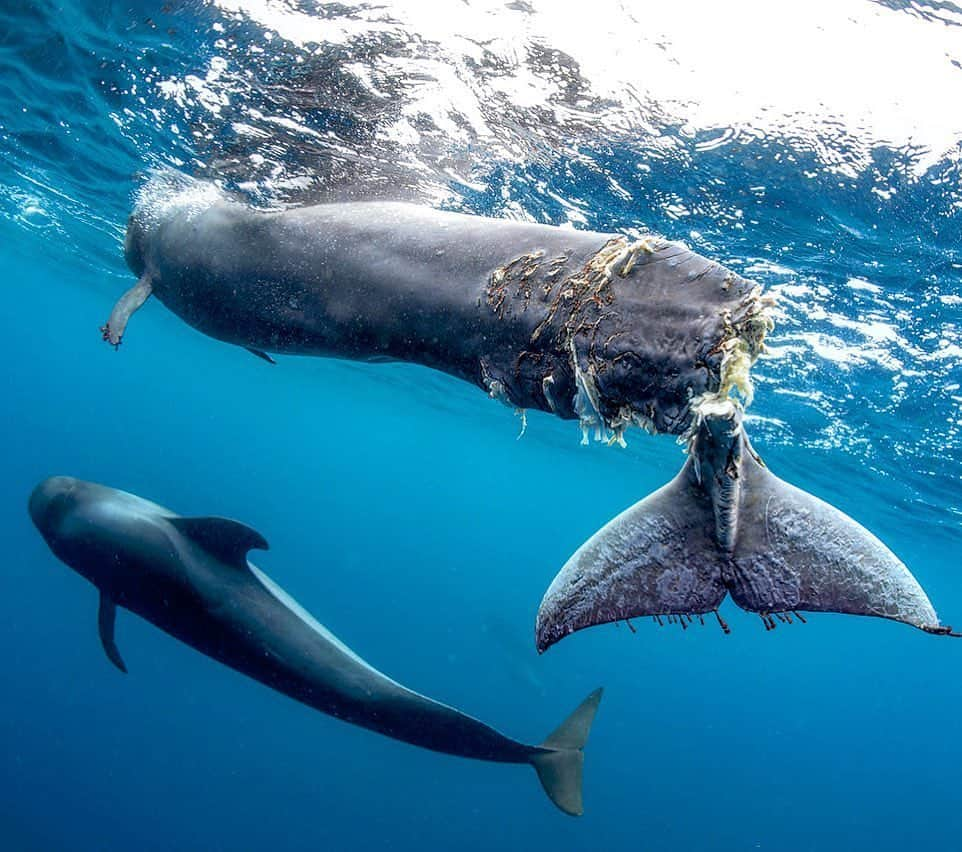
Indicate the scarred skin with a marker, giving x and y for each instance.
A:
(519, 309)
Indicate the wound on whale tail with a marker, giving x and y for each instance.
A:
(559, 761)
(726, 525)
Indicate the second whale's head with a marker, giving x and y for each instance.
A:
(100, 532)
(50, 501)
(60, 508)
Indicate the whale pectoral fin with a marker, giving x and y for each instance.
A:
(106, 618)
(657, 558)
(226, 540)
(113, 330)
(794, 551)
(260, 353)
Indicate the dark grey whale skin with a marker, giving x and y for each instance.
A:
(190, 577)
(505, 305)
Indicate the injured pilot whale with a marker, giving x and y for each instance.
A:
(191, 578)
(584, 325)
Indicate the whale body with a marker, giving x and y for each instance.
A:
(552, 319)
(191, 578)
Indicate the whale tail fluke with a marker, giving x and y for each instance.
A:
(560, 760)
(794, 551)
(727, 525)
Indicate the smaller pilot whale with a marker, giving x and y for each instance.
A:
(191, 578)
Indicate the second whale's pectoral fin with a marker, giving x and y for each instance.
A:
(226, 540)
(113, 330)
(794, 551)
(260, 353)
(106, 619)
(726, 524)
(657, 558)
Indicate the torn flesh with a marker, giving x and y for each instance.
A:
(739, 339)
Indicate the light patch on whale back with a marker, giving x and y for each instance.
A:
(169, 191)
(302, 613)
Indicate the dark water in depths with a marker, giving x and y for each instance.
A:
(815, 148)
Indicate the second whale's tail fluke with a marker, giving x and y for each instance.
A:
(560, 759)
(727, 525)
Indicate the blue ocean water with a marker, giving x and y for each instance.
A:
(402, 508)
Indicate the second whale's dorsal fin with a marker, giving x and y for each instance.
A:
(226, 540)
(106, 618)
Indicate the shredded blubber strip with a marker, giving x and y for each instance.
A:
(744, 341)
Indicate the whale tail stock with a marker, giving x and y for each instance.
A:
(727, 525)
(559, 761)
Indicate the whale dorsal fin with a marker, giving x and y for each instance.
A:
(226, 540)
(106, 617)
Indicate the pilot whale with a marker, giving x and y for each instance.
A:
(584, 325)
(589, 326)
(191, 578)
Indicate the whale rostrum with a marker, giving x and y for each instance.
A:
(191, 578)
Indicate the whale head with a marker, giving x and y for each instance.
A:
(67, 512)
(99, 532)
(167, 196)
(50, 502)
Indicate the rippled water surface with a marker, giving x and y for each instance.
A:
(814, 147)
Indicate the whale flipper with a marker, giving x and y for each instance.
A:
(113, 330)
(226, 540)
(260, 353)
(726, 524)
(106, 618)
(560, 760)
